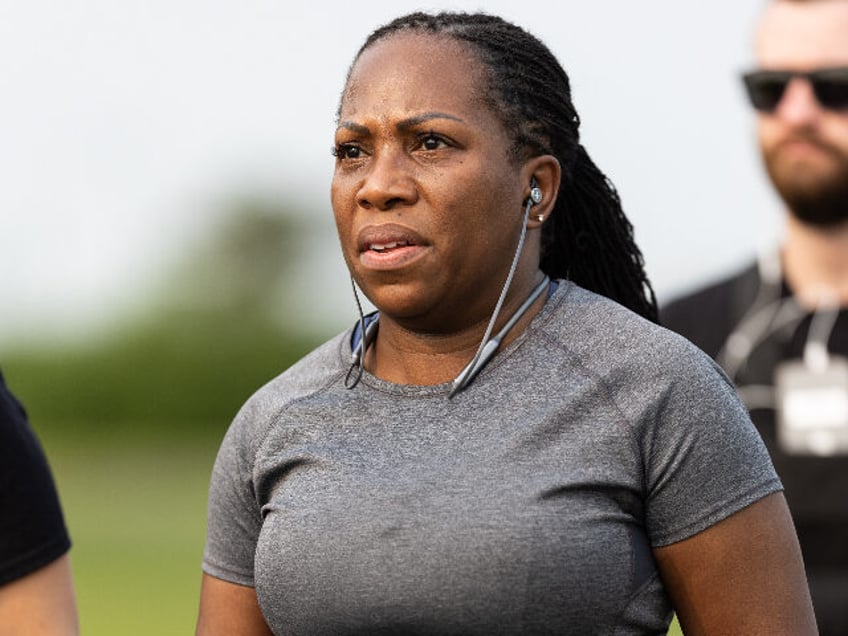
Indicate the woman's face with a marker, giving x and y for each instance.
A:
(426, 197)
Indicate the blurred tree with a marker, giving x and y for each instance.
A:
(207, 339)
(239, 264)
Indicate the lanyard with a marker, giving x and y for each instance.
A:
(770, 313)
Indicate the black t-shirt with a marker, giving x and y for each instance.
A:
(32, 528)
(816, 487)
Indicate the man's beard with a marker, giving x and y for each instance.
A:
(814, 196)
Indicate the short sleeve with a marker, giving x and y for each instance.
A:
(234, 517)
(704, 459)
(32, 527)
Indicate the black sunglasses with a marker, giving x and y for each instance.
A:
(765, 88)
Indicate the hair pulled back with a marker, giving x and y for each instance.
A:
(587, 238)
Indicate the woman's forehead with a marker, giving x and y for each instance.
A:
(414, 61)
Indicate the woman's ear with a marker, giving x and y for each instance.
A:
(542, 175)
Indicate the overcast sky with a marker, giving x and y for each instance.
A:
(123, 123)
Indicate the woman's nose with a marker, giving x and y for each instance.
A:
(388, 183)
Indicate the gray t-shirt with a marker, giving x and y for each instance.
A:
(527, 504)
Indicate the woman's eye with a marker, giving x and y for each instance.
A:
(347, 151)
(432, 142)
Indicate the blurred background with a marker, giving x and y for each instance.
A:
(166, 240)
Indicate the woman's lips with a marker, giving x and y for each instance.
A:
(388, 246)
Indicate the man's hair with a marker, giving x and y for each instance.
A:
(587, 238)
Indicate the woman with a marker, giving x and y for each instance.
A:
(498, 451)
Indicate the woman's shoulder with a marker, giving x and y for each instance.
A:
(598, 318)
(312, 372)
(316, 371)
(613, 339)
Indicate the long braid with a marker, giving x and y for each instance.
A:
(595, 247)
(588, 238)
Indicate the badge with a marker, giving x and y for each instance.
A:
(812, 407)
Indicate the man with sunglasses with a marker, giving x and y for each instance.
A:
(780, 327)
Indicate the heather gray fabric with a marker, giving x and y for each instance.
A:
(528, 504)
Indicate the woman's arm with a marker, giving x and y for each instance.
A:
(743, 575)
(41, 603)
(227, 608)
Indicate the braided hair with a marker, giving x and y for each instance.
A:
(587, 238)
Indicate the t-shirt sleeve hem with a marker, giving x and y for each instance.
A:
(717, 514)
(227, 574)
(34, 559)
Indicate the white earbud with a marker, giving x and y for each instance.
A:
(535, 195)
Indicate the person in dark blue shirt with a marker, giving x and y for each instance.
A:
(36, 584)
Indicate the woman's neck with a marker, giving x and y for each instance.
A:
(404, 356)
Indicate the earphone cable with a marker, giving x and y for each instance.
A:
(459, 381)
(358, 357)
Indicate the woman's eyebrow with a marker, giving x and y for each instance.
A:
(359, 129)
(402, 125)
(411, 122)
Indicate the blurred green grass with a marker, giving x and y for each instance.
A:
(675, 629)
(136, 514)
